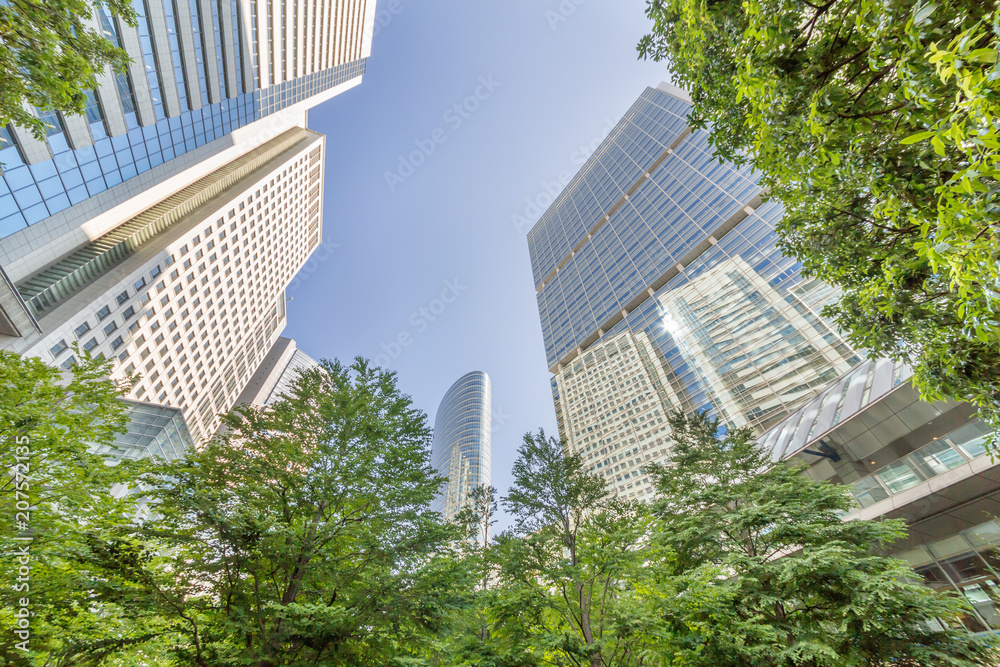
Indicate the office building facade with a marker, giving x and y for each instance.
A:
(462, 447)
(276, 375)
(903, 458)
(161, 228)
(660, 287)
(188, 296)
(206, 75)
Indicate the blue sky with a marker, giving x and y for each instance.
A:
(421, 197)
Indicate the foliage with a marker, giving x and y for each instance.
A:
(478, 516)
(50, 56)
(301, 534)
(875, 123)
(49, 421)
(769, 574)
(563, 586)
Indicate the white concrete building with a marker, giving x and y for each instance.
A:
(277, 373)
(161, 228)
(188, 295)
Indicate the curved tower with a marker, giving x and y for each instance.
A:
(461, 450)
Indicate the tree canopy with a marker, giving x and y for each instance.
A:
(566, 586)
(54, 497)
(876, 125)
(300, 534)
(738, 562)
(50, 54)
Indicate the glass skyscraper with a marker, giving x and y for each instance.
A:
(462, 441)
(202, 69)
(660, 287)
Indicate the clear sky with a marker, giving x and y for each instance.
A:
(421, 198)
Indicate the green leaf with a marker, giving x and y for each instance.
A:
(923, 13)
(919, 136)
(984, 55)
(938, 144)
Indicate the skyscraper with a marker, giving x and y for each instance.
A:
(462, 441)
(188, 295)
(276, 374)
(207, 76)
(660, 287)
(161, 229)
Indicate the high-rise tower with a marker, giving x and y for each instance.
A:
(462, 441)
(277, 374)
(188, 295)
(660, 287)
(161, 228)
(207, 76)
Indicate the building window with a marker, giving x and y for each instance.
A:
(82, 329)
(90, 344)
(122, 298)
(58, 348)
(111, 327)
(103, 312)
(117, 343)
(139, 284)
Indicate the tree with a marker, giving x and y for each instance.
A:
(50, 56)
(876, 125)
(478, 516)
(301, 534)
(568, 580)
(490, 627)
(768, 574)
(54, 497)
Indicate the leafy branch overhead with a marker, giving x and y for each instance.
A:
(50, 54)
(876, 125)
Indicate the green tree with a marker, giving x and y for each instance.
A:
(877, 125)
(54, 498)
(488, 628)
(50, 56)
(301, 534)
(566, 584)
(478, 516)
(769, 575)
